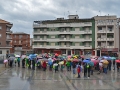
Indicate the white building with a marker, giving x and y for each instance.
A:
(106, 35)
(65, 36)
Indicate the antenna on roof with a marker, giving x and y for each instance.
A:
(76, 12)
(100, 12)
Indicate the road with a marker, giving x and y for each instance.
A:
(24, 79)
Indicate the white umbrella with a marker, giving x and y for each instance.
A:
(55, 64)
(23, 56)
(17, 55)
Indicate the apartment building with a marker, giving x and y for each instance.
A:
(20, 43)
(106, 35)
(65, 36)
(5, 37)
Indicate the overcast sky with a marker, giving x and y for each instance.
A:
(22, 13)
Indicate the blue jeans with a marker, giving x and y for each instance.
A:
(74, 71)
(105, 70)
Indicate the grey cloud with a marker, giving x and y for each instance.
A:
(22, 13)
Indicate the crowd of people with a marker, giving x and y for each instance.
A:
(76, 64)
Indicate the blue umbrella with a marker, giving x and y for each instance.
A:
(100, 58)
(86, 61)
(91, 63)
(49, 59)
(108, 58)
(50, 62)
(113, 58)
(32, 56)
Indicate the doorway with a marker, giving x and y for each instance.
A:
(69, 52)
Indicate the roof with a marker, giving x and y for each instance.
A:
(64, 21)
(20, 33)
(3, 21)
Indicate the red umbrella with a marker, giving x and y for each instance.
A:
(56, 54)
(82, 56)
(117, 61)
(75, 60)
(94, 61)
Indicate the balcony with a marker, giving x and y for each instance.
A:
(110, 31)
(63, 32)
(62, 47)
(88, 32)
(18, 48)
(9, 32)
(62, 39)
(101, 31)
(101, 39)
(110, 39)
(110, 46)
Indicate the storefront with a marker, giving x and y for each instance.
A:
(109, 52)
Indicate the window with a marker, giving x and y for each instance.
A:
(0, 35)
(99, 28)
(15, 41)
(0, 52)
(110, 43)
(63, 51)
(20, 36)
(110, 28)
(0, 27)
(0, 43)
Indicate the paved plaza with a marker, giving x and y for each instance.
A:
(24, 79)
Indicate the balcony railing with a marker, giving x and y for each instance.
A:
(18, 48)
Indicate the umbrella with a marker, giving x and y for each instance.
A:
(17, 55)
(86, 61)
(100, 64)
(91, 63)
(5, 61)
(82, 56)
(55, 64)
(105, 57)
(32, 56)
(54, 59)
(105, 62)
(69, 59)
(100, 58)
(56, 54)
(62, 62)
(117, 61)
(113, 58)
(94, 61)
(75, 60)
(93, 56)
(50, 62)
(23, 56)
(12, 58)
(50, 59)
(69, 56)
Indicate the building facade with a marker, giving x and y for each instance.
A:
(64, 36)
(106, 35)
(5, 37)
(20, 43)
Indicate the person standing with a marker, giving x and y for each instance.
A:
(18, 60)
(74, 67)
(23, 63)
(44, 65)
(78, 70)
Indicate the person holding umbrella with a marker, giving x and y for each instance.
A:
(33, 57)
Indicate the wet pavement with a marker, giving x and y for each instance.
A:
(24, 79)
